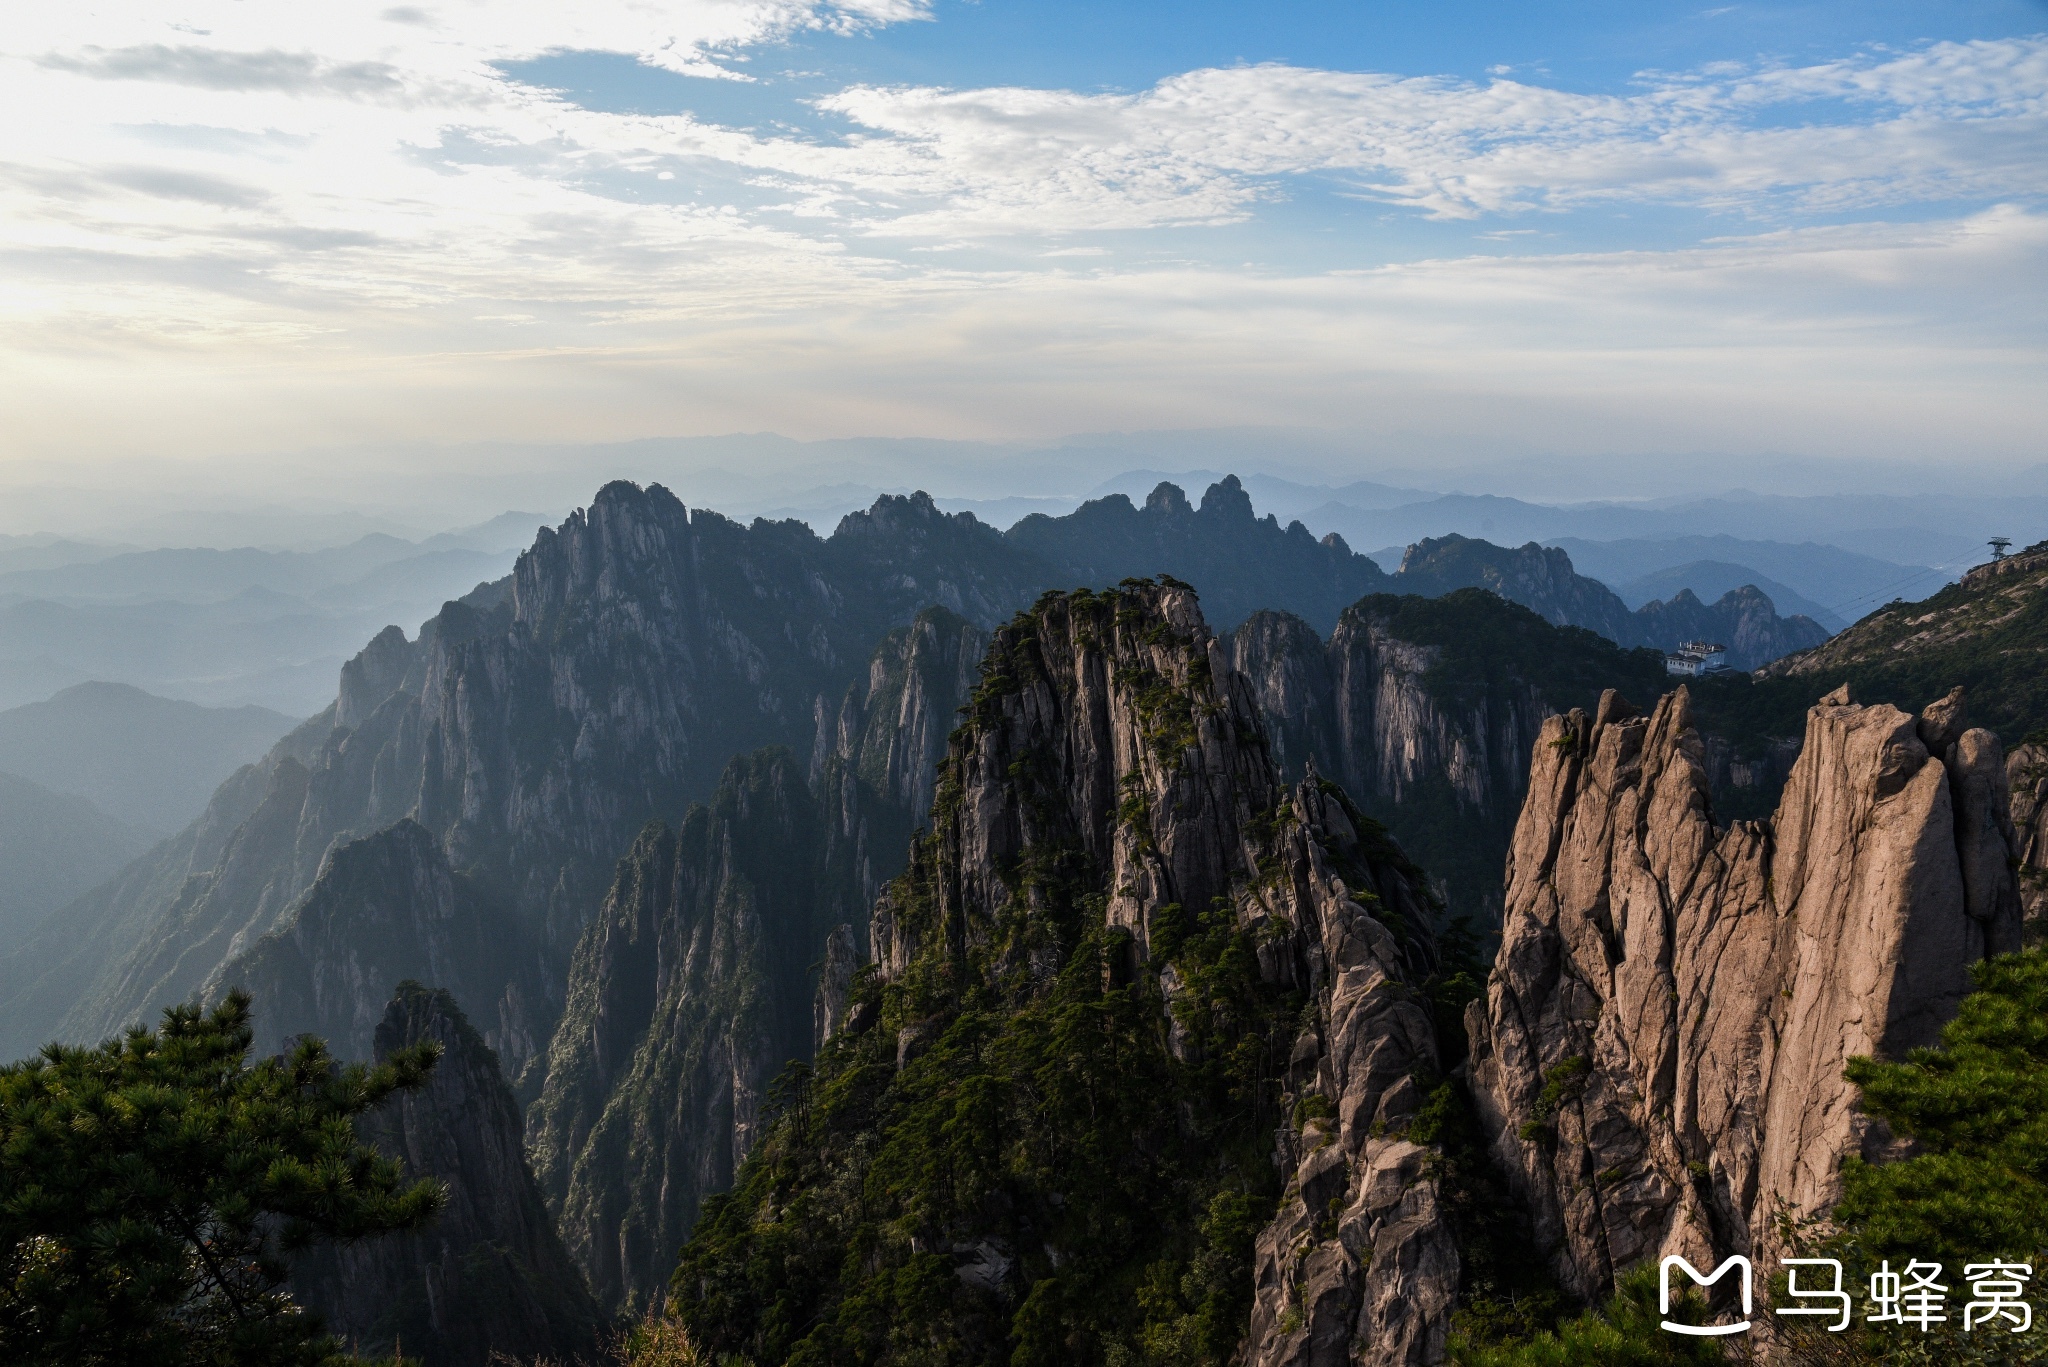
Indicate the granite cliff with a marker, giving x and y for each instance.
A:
(1128, 950)
(1659, 1055)
(486, 1276)
(2026, 772)
(532, 729)
(1426, 711)
(695, 985)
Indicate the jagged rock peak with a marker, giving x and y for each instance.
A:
(1168, 499)
(488, 1275)
(687, 993)
(623, 545)
(1112, 752)
(1660, 1052)
(1089, 706)
(372, 676)
(1227, 498)
(898, 515)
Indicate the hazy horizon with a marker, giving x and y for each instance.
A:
(1582, 251)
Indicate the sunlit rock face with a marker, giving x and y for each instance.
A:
(1660, 1051)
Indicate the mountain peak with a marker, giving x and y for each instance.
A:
(1227, 498)
(1168, 499)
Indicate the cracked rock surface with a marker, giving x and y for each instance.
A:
(1659, 1053)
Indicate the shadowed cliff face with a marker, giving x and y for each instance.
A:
(488, 1274)
(690, 991)
(1427, 711)
(890, 729)
(386, 909)
(532, 730)
(1109, 843)
(694, 984)
(2027, 777)
(1660, 1052)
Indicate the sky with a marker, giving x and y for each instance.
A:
(306, 247)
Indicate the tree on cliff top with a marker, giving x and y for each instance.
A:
(153, 1189)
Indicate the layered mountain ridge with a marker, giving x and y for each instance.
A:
(1153, 952)
(532, 729)
(535, 724)
(1541, 578)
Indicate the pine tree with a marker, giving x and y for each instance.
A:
(154, 1189)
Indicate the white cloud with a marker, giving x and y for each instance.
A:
(1953, 120)
(251, 211)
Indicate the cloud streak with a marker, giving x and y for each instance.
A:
(330, 195)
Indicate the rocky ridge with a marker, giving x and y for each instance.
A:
(1659, 1056)
(486, 1276)
(533, 728)
(386, 909)
(1108, 805)
(1541, 578)
(694, 985)
(535, 724)
(1239, 562)
(1987, 633)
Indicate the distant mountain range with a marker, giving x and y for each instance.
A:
(640, 807)
(53, 846)
(228, 626)
(149, 762)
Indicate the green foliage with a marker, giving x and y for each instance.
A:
(1978, 1107)
(1128, 1183)
(1976, 1190)
(1993, 641)
(1562, 1083)
(1041, 1151)
(153, 1190)
(1623, 1333)
(1504, 1293)
(1990, 635)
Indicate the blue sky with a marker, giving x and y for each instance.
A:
(1481, 230)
